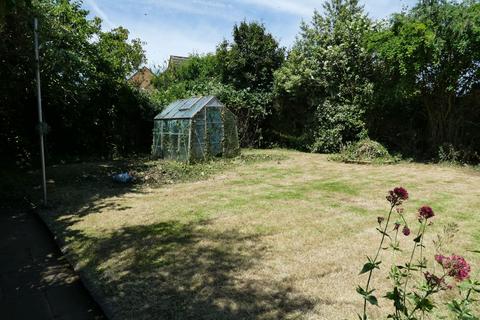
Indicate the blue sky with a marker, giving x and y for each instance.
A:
(180, 27)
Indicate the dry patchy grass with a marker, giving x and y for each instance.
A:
(277, 239)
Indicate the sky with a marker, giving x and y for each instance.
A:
(181, 27)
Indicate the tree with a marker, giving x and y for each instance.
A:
(187, 79)
(251, 59)
(246, 67)
(83, 72)
(430, 56)
(328, 73)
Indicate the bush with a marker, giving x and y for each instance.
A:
(448, 153)
(365, 151)
(336, 124)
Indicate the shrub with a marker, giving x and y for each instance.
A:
(365, 151)
(448, 153)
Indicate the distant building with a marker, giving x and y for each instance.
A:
(142, 79)
(175, 61)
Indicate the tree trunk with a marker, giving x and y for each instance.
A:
(441, 123)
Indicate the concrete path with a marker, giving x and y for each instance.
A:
(36, 282)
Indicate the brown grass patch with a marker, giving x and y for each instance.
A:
(267, 240)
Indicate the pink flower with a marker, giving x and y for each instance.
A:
(439, 258)
(425, 212)
(406, 231)
(401, 193)
(397, 195)
(459, 269)
(455, 266)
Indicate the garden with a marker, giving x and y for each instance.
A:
(355, 194)
(273, 234)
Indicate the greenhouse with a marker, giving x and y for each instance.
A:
(195, 129)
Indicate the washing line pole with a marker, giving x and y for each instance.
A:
(40, 117)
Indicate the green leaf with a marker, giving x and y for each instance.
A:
(470, 285)
(395, 246)
(420, 264)
(361, 317)
(369, 266)
(373, 300)
(423, 303)
(396, 297)
(361, 291)
(411, 267)
(384, 233)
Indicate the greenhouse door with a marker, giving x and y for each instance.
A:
(198, 136)
(214, 131)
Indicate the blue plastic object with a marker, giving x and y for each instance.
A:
(122, 177)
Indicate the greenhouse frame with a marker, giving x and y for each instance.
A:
(195, 129)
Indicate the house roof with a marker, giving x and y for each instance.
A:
(142, 79)
(175, 61)
(187, 108)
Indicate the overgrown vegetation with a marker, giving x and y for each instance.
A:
(410, 82)
(327, 74)
(146, 172)
(87, 105)
(168, 172)
(427, 71)
(365, 151)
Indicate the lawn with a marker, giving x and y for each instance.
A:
(279, 234)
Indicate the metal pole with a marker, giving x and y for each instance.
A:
(40, 117)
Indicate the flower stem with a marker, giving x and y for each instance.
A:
(421, 259)
(421, 231)
(375, 260)
(468, 294)
(396, 282)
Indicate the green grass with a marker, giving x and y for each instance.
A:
(272, 234)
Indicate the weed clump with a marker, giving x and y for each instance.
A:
(365, 151)
(169, 172)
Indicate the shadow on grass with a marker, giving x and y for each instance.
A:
(168, 270)
(172, 270)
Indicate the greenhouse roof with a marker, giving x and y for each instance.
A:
(184, 108)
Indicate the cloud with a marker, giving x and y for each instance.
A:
(92, 4)
(200, 38)
(223, 9)
(219, 9)
(180, 27)
(383, 8)
(302, 8)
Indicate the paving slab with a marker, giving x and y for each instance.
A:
(36, 281)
